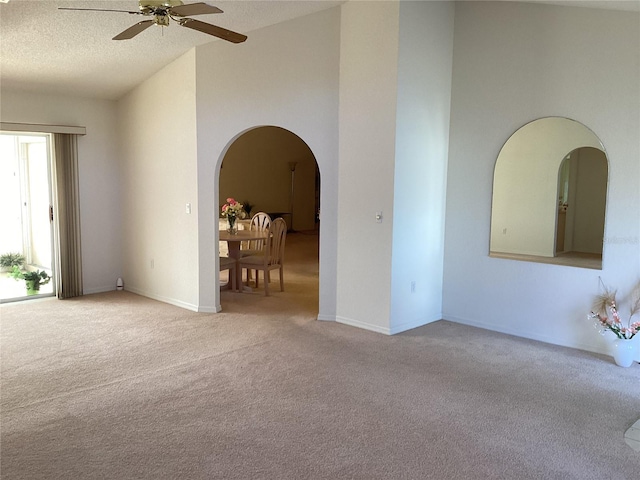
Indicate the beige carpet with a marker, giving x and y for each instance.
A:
(117, 386)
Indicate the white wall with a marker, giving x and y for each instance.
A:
(284, 76)
(368, 97)
(157, 128)
(514, 63)
(98, 171)
(422, 142)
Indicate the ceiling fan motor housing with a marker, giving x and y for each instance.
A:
(160, 9)
(150, 4)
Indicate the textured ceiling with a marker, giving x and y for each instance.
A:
(67, 52)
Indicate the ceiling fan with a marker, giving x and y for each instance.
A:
(176, 10)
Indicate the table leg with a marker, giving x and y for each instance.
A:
(234, 252)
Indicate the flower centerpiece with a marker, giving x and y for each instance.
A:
(607, 319)
(233, 210)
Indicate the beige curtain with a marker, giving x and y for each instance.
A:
(67, 216)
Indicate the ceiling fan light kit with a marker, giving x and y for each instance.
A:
(163, 11)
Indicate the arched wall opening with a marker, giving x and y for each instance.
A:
(271, 169)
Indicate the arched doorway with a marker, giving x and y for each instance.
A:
(270, 169)
(273, 170)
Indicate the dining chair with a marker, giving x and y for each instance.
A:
(231, 264)
(260, 221)
(271, 258)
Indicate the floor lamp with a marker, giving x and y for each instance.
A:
(292, 167)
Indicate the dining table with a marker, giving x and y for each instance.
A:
(234, 240)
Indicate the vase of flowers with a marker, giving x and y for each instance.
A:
(605, 313)
(233, 210)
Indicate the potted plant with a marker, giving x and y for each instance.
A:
(11, 259)
(247, 208)
(33, 280)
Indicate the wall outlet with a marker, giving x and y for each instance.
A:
(152, 263)
(188, 208)
(413, 286)
(504, 231)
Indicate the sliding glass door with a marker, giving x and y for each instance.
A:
(26, 235)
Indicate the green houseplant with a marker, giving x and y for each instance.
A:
(11, 259)
(247, 208)
(33, 280)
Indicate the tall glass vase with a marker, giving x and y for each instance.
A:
(232, 224)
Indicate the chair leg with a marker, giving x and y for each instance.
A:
(266, 282)
(281, 279)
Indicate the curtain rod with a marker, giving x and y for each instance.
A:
(36, 127)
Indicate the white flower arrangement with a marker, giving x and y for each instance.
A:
(607, 302)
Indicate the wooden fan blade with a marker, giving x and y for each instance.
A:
(134, 30)
(99, 10)
(193, 9)
(219, 32)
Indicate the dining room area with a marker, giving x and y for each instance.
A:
(268, 225)
(301, 282)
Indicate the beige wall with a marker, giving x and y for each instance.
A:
(285, 75)
(395, 85)
(590, 201)
(100, 185)
(256, 169)
(158, 171)
(368, 97)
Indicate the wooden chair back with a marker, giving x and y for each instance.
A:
(275, 242)
(260, 221)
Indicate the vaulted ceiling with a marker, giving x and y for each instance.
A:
(72, 52)
(46, 49)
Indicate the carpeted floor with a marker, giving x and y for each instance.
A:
(117, 386)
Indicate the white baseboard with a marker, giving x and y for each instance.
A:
(216, 309)
(385, 330)
(91, 291)
(363, 325)
(528, 335)
(171, 301)
(326, 318)
(403, 327)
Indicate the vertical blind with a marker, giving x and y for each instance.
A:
(67, 216)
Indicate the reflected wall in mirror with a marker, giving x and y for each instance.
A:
(549, 195)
